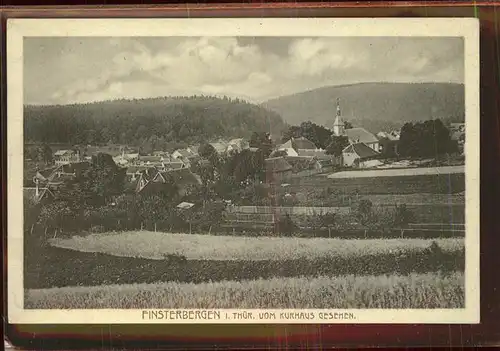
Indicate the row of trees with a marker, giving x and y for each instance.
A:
(363, 216)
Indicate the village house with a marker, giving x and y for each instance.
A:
(133, 173)
(354, 135)
(56, 176)
(149, 160)
(295, 146)
(154, 181)
(125, 159)
(237, 145)
(187, 155)
(64, 157)
(278, 169)
(388, 142)
(359, 155)
(220, 146)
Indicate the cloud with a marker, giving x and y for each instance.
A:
(92, 69)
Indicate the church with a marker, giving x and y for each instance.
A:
(355, 135)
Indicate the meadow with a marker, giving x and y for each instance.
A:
(428, 290)
(156, 245)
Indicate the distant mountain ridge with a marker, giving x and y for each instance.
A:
(374, 106)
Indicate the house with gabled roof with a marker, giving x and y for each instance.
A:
(62, 157)
(237, 145)
(354, 154)
(182, 178)
(220, 146)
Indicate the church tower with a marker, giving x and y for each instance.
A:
(338, 125)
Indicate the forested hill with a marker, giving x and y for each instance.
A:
(134, 122)
(374, 106)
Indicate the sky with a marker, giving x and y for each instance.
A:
(64, 70)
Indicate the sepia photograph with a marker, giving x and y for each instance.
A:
(309, 174)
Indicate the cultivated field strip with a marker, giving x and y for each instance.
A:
(408, 172)
(54, 267)
(430, 290)
(155, 245)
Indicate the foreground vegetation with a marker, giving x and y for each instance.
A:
(430, 290)
(223, 248)
(47, 267)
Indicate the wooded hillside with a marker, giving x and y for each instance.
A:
(158, 120)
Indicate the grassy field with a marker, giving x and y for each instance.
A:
(431, 290)
(155, 245)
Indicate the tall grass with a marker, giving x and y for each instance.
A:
(430, 290)
(155, 245)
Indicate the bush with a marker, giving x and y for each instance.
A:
(403, 216)
(285, 225)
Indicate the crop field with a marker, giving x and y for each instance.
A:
(47, 267)
(399, 172)
(433, 184)
(155, 245)
(429, 290)
(417, 199)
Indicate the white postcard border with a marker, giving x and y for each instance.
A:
(17, 29)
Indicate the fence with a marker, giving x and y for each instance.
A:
(262, 229)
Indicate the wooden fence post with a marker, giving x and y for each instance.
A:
(31, 231)
(155, 227)
(402, 233)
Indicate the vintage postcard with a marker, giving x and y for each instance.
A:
(243, 170)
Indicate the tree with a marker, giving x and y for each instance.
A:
(44, 154)
(347, 125)
(207, 151)
(426, 139)
(262, 141)
(364, 211)
(403, 216)
(319, 135)
(337, 144)
(103, 179)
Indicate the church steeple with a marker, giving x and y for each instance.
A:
(338, 125)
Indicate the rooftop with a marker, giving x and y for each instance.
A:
(362, 150)
(360, 135)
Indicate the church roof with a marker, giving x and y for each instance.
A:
(360, 135)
